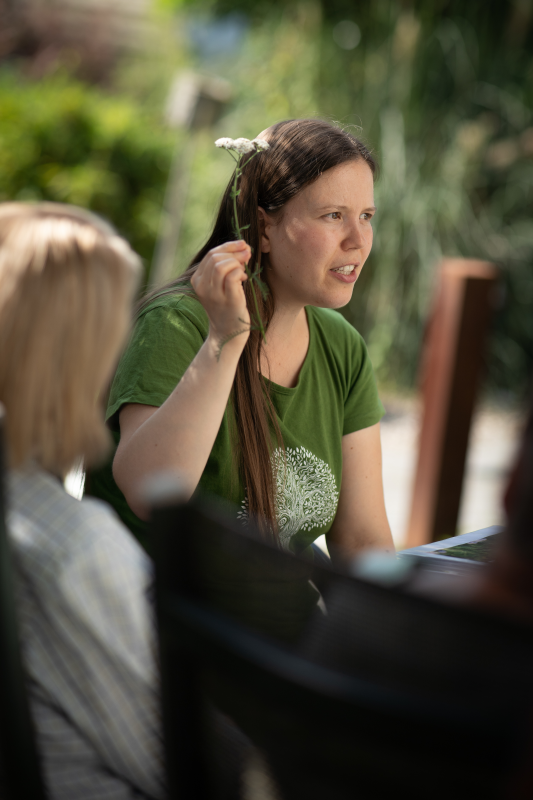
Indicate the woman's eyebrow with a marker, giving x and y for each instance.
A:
(344, 208)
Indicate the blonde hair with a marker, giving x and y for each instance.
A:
(66, 285)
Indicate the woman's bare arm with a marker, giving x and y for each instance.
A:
(361, 520)
(179, 436)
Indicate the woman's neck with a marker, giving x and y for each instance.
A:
(285, 349)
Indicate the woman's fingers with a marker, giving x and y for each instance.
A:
(240, 248)
(233, 288)
(225, 267)
(213, 275)
(239, 251)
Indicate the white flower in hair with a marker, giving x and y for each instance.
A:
(261, 144)
(226, 143)
(242, 145)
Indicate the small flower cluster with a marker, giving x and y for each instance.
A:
(243, 146)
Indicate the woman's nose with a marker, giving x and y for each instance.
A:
(356, 237)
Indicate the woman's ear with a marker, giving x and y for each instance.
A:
(264, 226)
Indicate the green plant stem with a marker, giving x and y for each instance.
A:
(238, 173)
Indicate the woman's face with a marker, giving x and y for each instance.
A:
(318, 247)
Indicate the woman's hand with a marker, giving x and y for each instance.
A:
(217, 283)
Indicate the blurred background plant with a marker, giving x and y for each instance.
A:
(442, 90)
(77, 125)
(61, 140)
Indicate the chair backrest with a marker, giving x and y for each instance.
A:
(20, 771)
(358, 703)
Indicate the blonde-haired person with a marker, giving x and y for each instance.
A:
(66, 285)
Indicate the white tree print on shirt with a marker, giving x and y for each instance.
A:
(306, 492)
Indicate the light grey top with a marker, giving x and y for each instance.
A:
(88, 641)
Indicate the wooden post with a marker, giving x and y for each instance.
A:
(451, 365)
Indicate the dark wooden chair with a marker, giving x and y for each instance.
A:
(389, 693)
(20, 771)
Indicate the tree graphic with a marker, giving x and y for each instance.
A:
(306, 492)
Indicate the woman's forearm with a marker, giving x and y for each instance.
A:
(361, 519)
(178, 436)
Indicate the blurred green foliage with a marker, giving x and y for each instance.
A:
(64, 141)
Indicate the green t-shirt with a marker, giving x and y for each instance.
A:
(336, 394)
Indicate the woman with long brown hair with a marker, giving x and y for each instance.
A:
(285, 427)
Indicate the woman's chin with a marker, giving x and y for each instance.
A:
(337, 299)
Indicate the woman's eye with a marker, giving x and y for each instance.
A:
(334, 215)
(366, 216)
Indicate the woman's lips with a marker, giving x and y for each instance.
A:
(350, 278)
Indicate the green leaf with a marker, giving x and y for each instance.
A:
(263, 288)
(229, 338)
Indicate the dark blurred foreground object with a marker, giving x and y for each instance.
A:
(508, 584)
(388, 693)
(20, 770)
(451, 366)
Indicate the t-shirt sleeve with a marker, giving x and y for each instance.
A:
(164, 342)
(362, 407)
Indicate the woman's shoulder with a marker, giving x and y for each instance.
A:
(174, 307)
(77, 566)
(341, 350)
(337, 344)
(168, 333)
(49, 526)
(334, 327)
